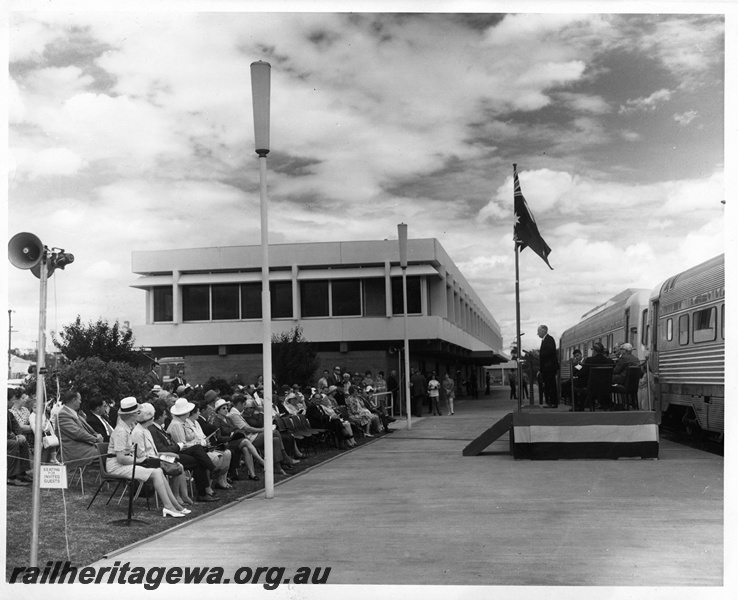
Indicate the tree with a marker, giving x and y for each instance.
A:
(294, 359)
(95, 378)
(101, 340)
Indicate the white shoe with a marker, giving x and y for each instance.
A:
(165, 512)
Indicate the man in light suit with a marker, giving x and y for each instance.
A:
(549, 366)
(78, 441)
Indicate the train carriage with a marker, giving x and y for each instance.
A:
(622, 318)
(680, 327)
(688, 346)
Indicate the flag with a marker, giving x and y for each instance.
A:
(525, 231)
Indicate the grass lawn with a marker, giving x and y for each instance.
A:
(88, 533)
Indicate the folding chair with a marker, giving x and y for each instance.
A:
(105, 477)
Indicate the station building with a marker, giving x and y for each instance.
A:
(204, 305)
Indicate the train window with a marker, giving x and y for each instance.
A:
(684, 330)
(669, 330)
(704, 324)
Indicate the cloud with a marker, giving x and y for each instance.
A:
(686, 118)
(53, 161)
(646, 103)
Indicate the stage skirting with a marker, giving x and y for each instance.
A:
(552, 435)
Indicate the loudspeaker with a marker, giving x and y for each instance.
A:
(25, 250)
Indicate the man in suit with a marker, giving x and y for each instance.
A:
(598, 358)
(418, 387)
(97, 418)
(77, 439)
(549, 361)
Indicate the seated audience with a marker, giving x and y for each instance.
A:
(97, 418)
(184, 428)
(359, 414)
(234, 439)
(146, 448)
(194, 458)
(121, 459)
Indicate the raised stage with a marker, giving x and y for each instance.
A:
(548, 435)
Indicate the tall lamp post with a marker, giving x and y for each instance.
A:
(402, 237)
(10, 341)
(260, 93)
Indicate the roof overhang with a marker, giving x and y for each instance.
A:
(484, 358)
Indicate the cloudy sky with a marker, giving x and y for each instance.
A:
(133, 131)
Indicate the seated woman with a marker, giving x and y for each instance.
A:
(146, 448)
(17, 401)
(121, 459)
(329, 400)
(359, 414)
(252, 425)
(185, 429)
(236, 441)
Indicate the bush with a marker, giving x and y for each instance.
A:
(111, 381)
(294, 359)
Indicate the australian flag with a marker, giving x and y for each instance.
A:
(525, 231)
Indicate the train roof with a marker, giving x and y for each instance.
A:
(709, 274)
(616, 300)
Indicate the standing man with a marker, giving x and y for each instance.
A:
(549, 366)
(418, 386)
(393, 388)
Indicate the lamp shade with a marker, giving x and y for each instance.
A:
(402, 237)
(260, 91)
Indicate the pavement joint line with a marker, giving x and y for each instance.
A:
(231, 504)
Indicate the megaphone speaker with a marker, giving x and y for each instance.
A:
(25, 250)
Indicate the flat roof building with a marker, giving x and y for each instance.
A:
(204, 304)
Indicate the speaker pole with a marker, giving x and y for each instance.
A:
(40, 398)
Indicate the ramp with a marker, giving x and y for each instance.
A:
(503, 426)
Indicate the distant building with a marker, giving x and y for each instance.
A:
(204, 304)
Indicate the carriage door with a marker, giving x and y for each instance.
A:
(626, 335)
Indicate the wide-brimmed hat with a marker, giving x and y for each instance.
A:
(145, 412)
(181, 407)
(128, 406)
(210, 395)
(156, 389)
(180, 390)
(220, 402)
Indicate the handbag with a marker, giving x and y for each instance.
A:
(50, 440)
(171, 468)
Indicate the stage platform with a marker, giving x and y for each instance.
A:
(541, 434)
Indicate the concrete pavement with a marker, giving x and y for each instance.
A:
(410, 509)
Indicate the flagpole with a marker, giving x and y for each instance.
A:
(518, 368)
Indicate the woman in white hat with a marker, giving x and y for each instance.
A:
(236, 441)
(147, 449)
(189, 433)
(120, 460)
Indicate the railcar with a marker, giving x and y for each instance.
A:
(680, 327)
(622, 318)
(687, 313)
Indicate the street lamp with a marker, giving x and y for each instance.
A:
(402, 237)
(260, 96)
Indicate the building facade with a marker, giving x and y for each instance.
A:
(204, 304)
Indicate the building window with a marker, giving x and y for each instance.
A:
(225, 302)
(704, 324)
(251, 300)
(281, 293)
(413, 296)
(669, 329)
(374, 298)
(314, 298)
(195, 303)
(163, 304)
(346, 297)
(683, 330)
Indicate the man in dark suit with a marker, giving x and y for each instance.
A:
(598, 359)
(549, 368)
(97, 418)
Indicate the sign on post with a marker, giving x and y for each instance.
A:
(54, 476)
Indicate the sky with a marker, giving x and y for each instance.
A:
(132, 130)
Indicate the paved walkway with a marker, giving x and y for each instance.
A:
(410, 509)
